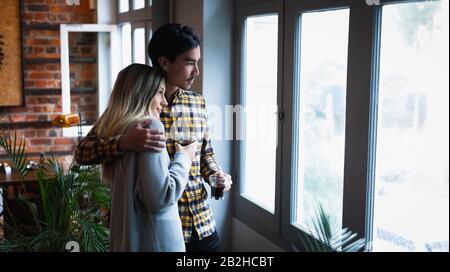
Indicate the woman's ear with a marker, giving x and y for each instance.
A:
(163, 63)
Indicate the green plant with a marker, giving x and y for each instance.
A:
(329, 240)
(70, 207)
(16, 154)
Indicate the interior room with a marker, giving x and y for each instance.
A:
(325, 122)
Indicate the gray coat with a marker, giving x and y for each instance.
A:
(145, 191)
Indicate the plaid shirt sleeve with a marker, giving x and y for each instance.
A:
(208, 163)
(94, 150)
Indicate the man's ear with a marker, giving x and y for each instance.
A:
(163, 63)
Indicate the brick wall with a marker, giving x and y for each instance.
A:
(42, 75)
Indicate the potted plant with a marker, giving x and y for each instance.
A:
(70, 208)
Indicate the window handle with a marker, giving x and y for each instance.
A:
(280, 114)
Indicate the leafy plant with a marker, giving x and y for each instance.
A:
(329, 240)
(71, 207)
(16, 154)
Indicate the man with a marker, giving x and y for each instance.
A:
(176, 51)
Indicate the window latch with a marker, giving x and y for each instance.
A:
(280, 114)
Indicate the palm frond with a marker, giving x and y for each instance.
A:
(96, 237)
(328, 240)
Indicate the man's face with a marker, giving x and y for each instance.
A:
(183, 71)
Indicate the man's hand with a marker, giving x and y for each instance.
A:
(139, 138)
(228, 181)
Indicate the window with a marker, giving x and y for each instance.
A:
(258, 145)
(102, 40)
(411, 178)
(135, 25)
(260, 83)
(321, 113)
(126, 44)
(124, 6)
(138, 4)
(139, 45)
(361, 94)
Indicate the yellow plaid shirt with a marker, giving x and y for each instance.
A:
(185, 118)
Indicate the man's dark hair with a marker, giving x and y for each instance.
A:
(170, 41)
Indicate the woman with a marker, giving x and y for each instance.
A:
(145, 186)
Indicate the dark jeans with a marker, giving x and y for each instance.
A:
(207, 244)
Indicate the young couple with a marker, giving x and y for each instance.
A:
(159, 199)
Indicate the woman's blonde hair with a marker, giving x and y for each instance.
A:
(135, 87)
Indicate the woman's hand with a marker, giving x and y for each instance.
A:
(189, 149)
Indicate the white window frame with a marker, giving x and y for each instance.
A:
(140, 18)
(108, 68)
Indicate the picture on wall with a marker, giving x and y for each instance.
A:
(11, 82)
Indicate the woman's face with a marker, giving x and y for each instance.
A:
(158, 101)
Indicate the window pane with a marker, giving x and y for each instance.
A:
(83, 69)
(139, 45)
(321, 119)
(126, 45)
(138, 4)
(412, 177)
(123, 6)
(260, 96)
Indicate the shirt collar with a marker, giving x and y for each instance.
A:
(179, 93)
